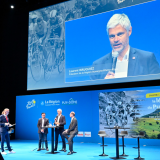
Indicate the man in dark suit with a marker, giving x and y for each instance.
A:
(4, 128)
(128, 61)
(72, 131)
(60, 121)
(42, 131)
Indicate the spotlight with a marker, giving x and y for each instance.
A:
(12, 6)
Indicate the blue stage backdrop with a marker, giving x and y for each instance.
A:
(91, 108)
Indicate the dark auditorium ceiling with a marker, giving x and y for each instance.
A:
(28, 4)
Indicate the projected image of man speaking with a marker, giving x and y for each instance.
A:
(123, 60)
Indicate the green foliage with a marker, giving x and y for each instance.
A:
(153, 136)
(151, 131)
(158, 136)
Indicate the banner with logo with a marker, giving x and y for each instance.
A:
(29, 109)
(136, 108)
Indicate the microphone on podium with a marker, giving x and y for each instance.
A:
(114, 56)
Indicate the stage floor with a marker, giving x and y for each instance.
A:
(85, 151)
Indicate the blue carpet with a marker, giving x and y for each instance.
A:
(85, 151)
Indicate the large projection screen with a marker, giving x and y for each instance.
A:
(74, 43)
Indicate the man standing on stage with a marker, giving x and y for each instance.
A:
(4, 127)
(72, 131)
(42, 131)
(60, 121)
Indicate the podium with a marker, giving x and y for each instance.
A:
(52, 139)
(117, 141)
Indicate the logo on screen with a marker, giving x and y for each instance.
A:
(30, 104)
(70, 102)
(42, 103)
(50, 102)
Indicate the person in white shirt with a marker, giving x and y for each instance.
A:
(42, 131)
(125, 60)
(60, 121)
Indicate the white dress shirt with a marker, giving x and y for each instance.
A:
(42, 122)
(122, 66)
(58, 119)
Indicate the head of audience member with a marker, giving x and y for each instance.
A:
(119, 30)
